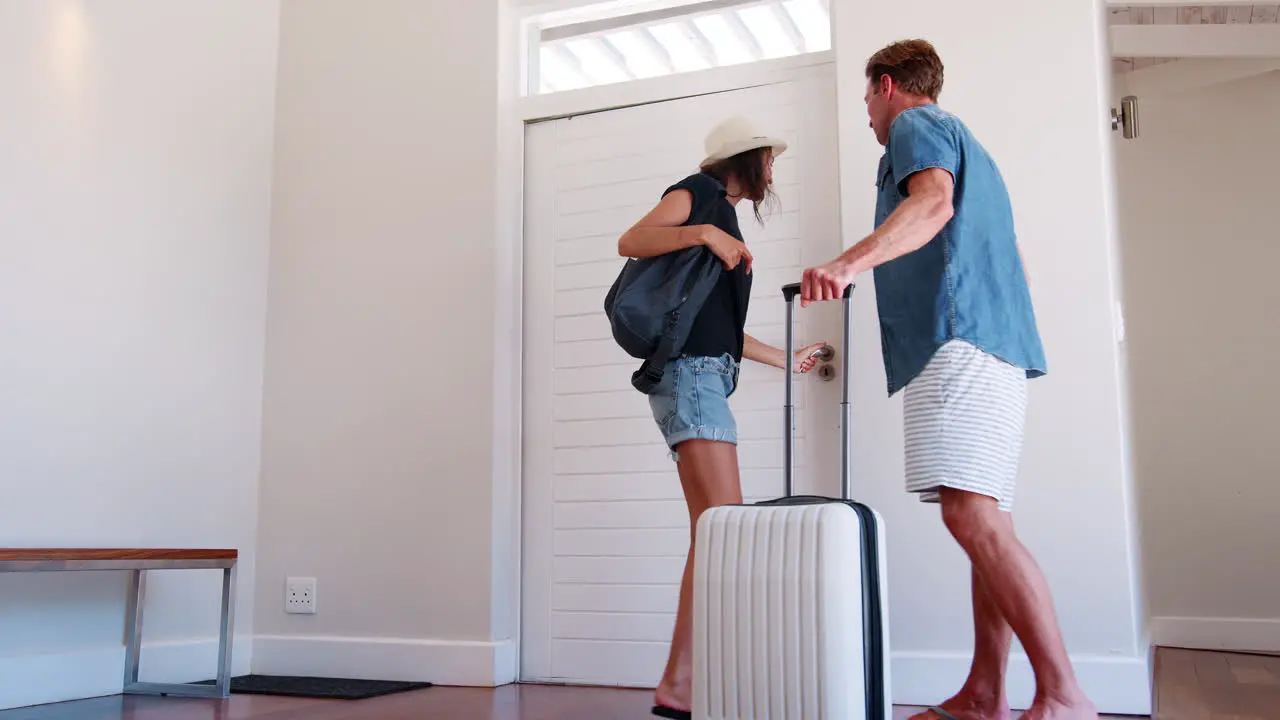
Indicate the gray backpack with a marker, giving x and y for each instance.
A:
(654, 301)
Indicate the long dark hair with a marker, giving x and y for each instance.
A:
(748, 168)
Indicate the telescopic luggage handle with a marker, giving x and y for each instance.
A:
(789, 293)
(792, 290)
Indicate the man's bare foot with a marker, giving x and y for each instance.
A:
(966, 706)
(1078, 708)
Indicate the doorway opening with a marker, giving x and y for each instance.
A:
(1199, 208)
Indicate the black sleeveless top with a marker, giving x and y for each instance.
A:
(720, 327)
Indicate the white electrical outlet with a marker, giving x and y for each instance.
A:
(300, 596)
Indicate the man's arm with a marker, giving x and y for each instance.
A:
(919, 219)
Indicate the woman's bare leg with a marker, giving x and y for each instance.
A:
(709, 476)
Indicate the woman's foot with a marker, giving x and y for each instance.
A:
(663, 711)
(969, 706)
(675, 696)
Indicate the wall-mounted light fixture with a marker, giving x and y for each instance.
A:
(1126, 117)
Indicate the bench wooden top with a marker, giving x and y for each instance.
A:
(39, 554)
(37, 559)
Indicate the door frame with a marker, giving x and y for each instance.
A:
(535, 551)
(515, 112)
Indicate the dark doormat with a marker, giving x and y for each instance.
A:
(315, 687)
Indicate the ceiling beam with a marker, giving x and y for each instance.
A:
(652, 17)
(743, 35)
(1187, 75)
(1196, 41)
(571, 65)
(788, 23)
(615, 56)
(656, 49)
(700, 43)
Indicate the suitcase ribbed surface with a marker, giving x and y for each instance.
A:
(778, 614)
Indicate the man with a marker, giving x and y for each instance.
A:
(959, 333)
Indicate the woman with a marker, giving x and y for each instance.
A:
(691, 405)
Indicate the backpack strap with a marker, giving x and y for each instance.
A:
(650, 373)
(646, 378)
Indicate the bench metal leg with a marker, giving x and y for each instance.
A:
(227, 633)
(133, 644)
(133, 626)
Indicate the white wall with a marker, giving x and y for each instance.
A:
(134, 214)
(379, 404)
(1199, 218)
(1028, 78)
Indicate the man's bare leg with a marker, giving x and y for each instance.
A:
(983, 695)
(1015, 583)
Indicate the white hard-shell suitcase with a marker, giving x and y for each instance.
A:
(789, 598)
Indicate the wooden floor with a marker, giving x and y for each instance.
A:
(1191, 685)
(1195, 685)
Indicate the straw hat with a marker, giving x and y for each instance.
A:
(738, 135)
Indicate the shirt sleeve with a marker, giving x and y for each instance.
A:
(919, 140)
(703, 189)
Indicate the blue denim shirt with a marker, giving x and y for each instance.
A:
(968, 282)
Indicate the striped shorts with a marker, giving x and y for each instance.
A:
(963, 418)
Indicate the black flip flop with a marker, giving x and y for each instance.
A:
(665, 712)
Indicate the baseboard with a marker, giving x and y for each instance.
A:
(1237, 634)
(443, 662)
(506, 663)
(1117, 685)
(57, 677)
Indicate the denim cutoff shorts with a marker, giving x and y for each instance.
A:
(692, 401)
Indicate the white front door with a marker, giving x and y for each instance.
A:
(605, 526)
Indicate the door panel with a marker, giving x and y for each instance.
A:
(606, 530)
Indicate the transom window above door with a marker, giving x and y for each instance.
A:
(573, 54)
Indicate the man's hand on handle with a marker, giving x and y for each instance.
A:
(826, 282)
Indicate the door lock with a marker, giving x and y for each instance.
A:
(826, 372)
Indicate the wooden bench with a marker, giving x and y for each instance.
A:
(139, 561)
